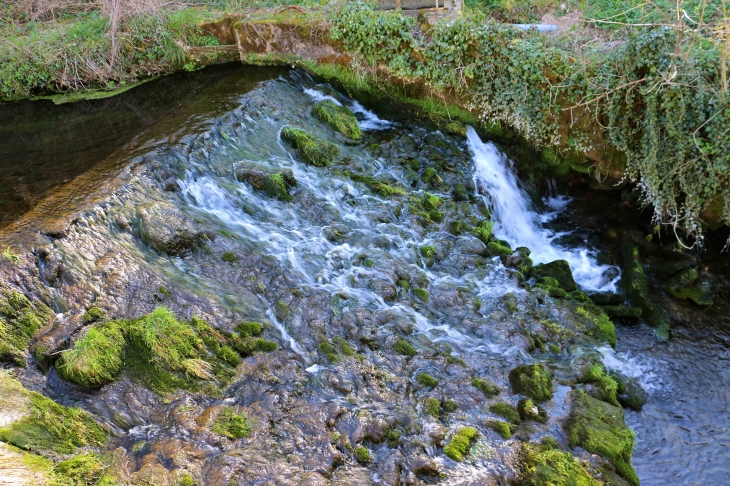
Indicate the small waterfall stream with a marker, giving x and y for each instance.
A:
(519, 225)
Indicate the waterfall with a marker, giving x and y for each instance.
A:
(516, 222)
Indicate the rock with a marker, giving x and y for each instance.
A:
(167, 230)
(422, 465)
(338, 117)
(276, 184)
(315, 152)
(560, 271)
(607, 299)
(520, 259)
(377, 430)
(636, 286)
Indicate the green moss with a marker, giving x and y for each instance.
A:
(362, 455)
(695, 294)
(431, 177)
(461, 443)
(622, 311)
(186, 480)
(507, 411)
(249, 329)
(459, 193)
(483, 231)
(329, 352)
(282, 311)
(229, 256)
(404, 348)
(427, 380)
(94, 314)
(428, 251)
(169, 341)
(276, 187)
(393, 437)
(80, 470)
(379, 187)
(404, 285)
(338, 117)
(53, 429)
(485, 386)
(529, 410)
(495, 249)
(19, 320)
(431, 202)
(343, 347)
(449, 406)
(548, 466)
(432, 407)
(455, 128)
(601, 326)
(599, 427)
(502, 428)
(314, 151)
(636, 286)
(606, 385)
(421, 294)
(554, 292)
(231, 424)
(436, 216)
(96, 358)
(532, 380)
(560, 271)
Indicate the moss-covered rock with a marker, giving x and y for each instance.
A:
(533, 381)
(404, 348)
(44, 426)
(380, 187)
(19, 320)
(488, 388)
(459, 193)
(432, 406)
(560, 271)
(605, 386)
(599, 427)
(545, 465)
(96, 358)
(529, 410)
(622, 311)
(461, 443)
(427, 380)
(504, 429)
(79, 470)
(338, 117)
(597, 323)
(362, 455)
(94, 314)
(507, 411)
(316, 152)
(497, 249)
(636, 286)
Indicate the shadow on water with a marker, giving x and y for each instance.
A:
(44, 146)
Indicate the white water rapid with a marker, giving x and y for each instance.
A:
(516, 222)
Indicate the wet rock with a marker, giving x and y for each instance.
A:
(167, 230)
(377, 430)
(276, 184)
(560, 271)
(467, 245)
(636, 286)
(622, 311)
(422, 465)
(338, 117)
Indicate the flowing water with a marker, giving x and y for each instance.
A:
(348, 250)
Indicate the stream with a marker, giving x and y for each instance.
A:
(338, 258)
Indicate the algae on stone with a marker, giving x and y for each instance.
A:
(560, 271)
(533, 381)
(544, 465)
(338, 117)
(96, 358)
(231, 424)
(461, 443)
(599, 427)
(316, 152)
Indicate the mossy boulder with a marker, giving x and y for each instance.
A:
(362, 455)
(560, 271)
(232, 424)
(599, 427)
(605, 387)
(546, 465)
(529, 410)
(404, 348)
(497, 249)
(338, 117)
(461, 443)
(622, 311)
(488, 388)
(506, 411)
(96, 358)
(314, 151)
(533, 381)
(427, 380)
(276, 184)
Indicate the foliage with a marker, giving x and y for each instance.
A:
(662, 94)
